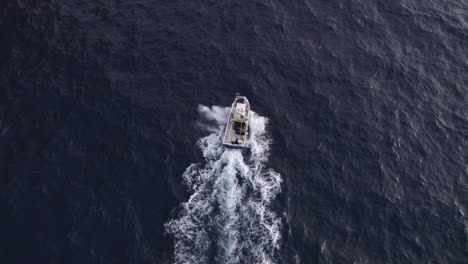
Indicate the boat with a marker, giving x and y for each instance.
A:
(237, 125)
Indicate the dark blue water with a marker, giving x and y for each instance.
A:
(367, 108)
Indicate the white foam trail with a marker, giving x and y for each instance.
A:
(228, 218)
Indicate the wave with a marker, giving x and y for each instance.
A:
(228, 218)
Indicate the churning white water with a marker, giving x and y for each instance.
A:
(228, 218)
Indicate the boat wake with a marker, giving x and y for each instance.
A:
(228, 218)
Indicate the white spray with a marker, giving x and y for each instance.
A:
(228, 218)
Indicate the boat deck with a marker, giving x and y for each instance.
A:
(231, 135)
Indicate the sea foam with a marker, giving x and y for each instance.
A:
(228, 217)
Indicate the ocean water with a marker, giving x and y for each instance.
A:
(111, 114)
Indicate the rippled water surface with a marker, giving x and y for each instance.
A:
(111, 114)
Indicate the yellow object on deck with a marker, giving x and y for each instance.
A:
(242, 137)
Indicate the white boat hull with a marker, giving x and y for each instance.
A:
(235, 135)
